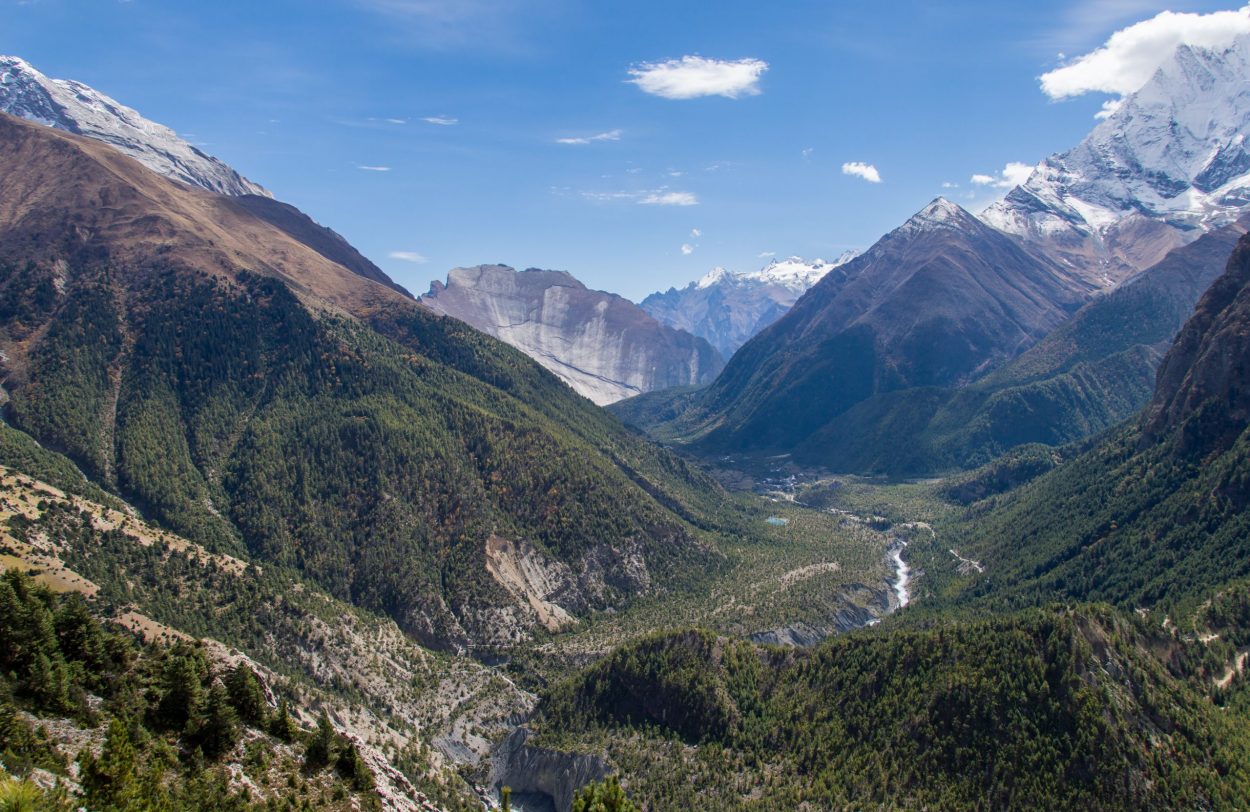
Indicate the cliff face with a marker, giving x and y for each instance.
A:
(1202, 384)
(538, 771)
(603, 346)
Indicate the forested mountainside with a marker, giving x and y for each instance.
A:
(1156, 514)
(255, 396)
(1054, 708)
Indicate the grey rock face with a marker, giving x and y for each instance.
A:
(537, 771)
(602, 345)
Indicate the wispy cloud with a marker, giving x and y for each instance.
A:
(859, 169)
(373, 168)
(1130, 56)
(807, 153)
(610, 135)
(1013, 174)
(397, 121)
(654, 197)
(693, 76)
(766, 254)
(408, 256)
(687, 249)
(946, 184)
(662, 198)
(694, 232)
(442, 121)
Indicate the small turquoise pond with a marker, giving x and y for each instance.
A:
(777, 521)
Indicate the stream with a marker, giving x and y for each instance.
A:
(902, 573)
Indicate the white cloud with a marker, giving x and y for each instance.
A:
(662, 198)
(694, 232)
(807, 153)
(946, 184)
(442, 121)
(1013, 174)
(860, 169)
(375, 168)
(610, 135)
(407, 256)
(1108, 108)
(693, 76)
(396, 121)
(687, 249)
(1130, 56)
(655, 197)
(766, 254)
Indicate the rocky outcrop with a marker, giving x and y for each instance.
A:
(549, 774)
(605, 347)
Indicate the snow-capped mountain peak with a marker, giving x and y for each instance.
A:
(77, 108)
(728, 308)
(712, 277)
(1168, 164)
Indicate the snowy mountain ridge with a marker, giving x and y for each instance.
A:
(1169, 164)
(77, 108)
(795, 273)
(728, 308)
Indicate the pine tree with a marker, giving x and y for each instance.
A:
(283, 726)
(247, 695)
(215, 728)
(110, 781)
(181, 694)
(605, 796)
(320, 750)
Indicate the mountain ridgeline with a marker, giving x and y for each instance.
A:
(259, 398)
(935, 303)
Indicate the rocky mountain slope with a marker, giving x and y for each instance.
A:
(729, 308)
(246, 391)
(1087, 375)
(937, 302)
(77, 108)
(1170, 163)
(603, 346)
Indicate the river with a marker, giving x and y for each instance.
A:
(902, 573)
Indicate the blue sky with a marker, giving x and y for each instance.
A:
(479, 117)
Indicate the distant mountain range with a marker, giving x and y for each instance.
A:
(605, 347)
(728, 309)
